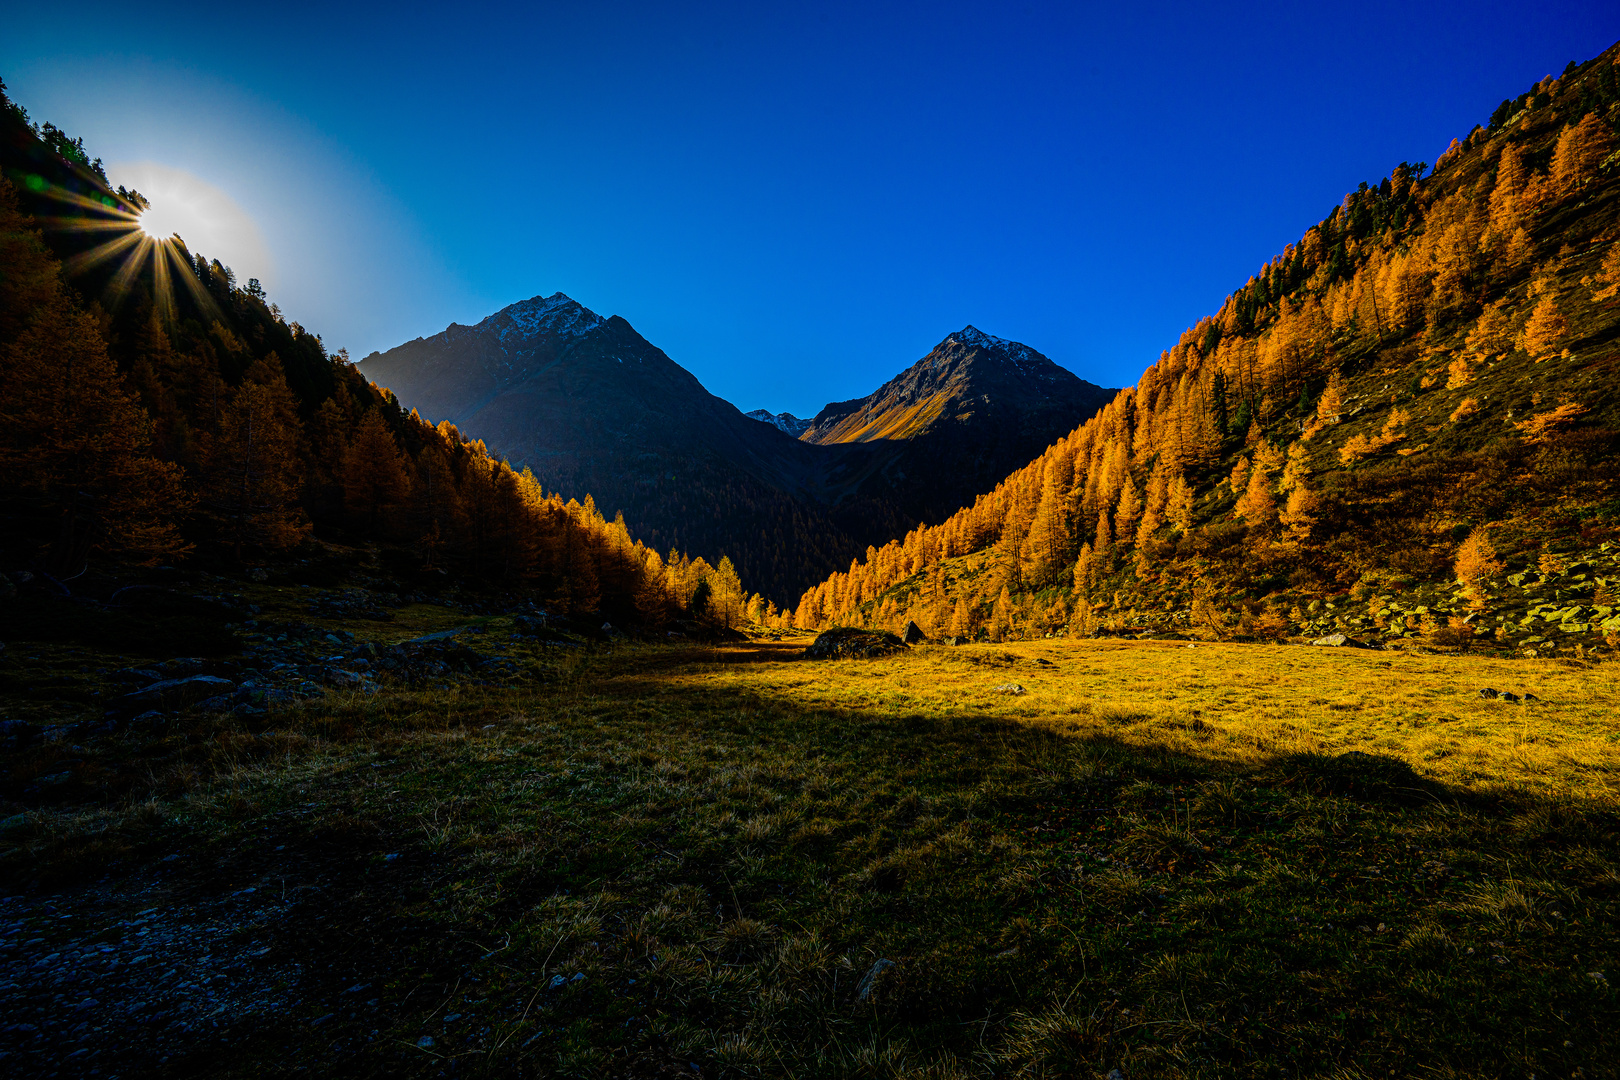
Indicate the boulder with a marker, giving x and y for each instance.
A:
(845, 642)
(912, 633)
(1008, 688)
(175, 693)
(1337, 640)
(345, 678)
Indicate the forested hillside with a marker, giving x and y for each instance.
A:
(588, 404)
(152, 408)
(1412, 401)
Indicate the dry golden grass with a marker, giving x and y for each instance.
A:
(1242, 704)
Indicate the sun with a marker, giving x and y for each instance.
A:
(157, 223)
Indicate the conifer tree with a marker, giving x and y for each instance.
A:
(375, 484)
(1179, 503)
(1330, 405)
(1545, 330)
(75, 458)
(1300, 513)
(1128, 512)
(1001, 617)
(1581, 148)
(254, 464)
(1257, 507)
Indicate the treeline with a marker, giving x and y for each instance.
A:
(1430, 368)
(151, 409)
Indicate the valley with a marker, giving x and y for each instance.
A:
(507, 704)
(552, 854)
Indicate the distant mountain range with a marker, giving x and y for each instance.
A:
(592, 407)
(784, 422)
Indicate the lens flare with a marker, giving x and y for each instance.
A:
(141, 237)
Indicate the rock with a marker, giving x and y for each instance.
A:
(1508, 695)
(1489, 694)
(439, 635)
(1008, 688)
(258, 573)
(176, 693)
(868, 982)
(1044, 662)
(1337, 640)
(219, 703)
(843, 642)
(134, 674)
(348, 680)
(1531, 697)
(912, 633)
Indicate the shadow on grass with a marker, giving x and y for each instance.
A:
(715, 875)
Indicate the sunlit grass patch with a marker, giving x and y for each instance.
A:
(1161, 860)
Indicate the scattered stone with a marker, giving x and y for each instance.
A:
(533, 625)
(868, 982)
(1044, 662)
(1508, 695)
(843, 642)
(1489, 694)
(348, 680)
(1337, 640)
(1008, 688)
(911, 634)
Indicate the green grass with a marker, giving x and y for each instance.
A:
(1114, 870)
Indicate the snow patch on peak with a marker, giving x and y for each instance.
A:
(1024, 358)
(972, 335)
(784, 422)
(554, 314)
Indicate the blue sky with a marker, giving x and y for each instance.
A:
(794, 202)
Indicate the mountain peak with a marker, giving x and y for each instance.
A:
(555, 314)
(972, 335)
(1025, 359)
(785, 422)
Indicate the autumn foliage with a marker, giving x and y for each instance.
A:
(1312, 436)
(164, 418)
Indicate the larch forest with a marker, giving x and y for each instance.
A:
(1263, 725)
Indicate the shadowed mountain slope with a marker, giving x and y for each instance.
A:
(938, 432)
(592, 407)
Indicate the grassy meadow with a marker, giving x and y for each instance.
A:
(1164, 859)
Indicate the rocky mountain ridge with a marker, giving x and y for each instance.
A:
(784, 422)
(593, 408)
